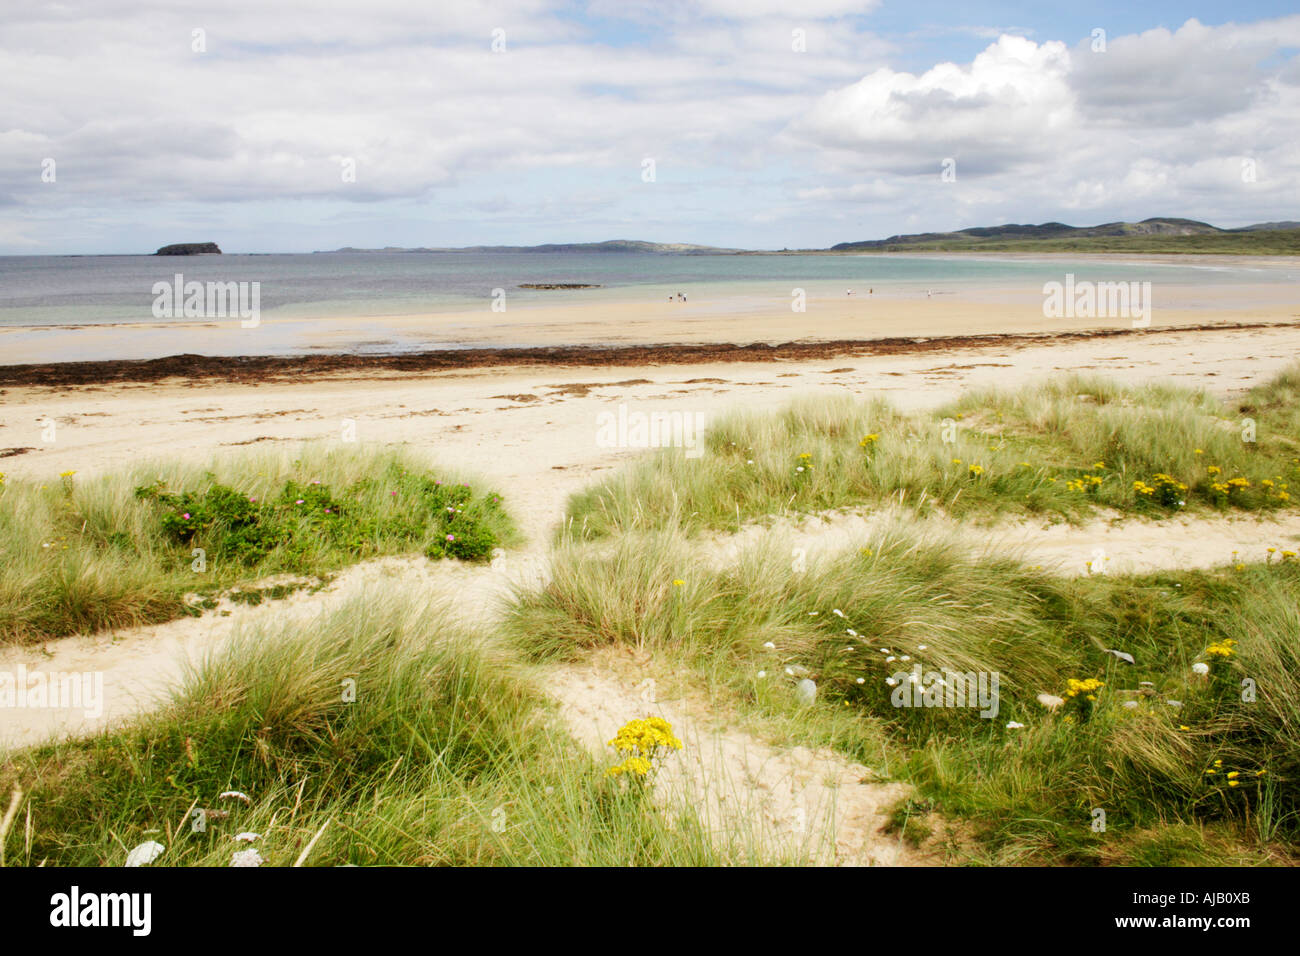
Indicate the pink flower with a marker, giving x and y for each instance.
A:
(186, 516)
(327, 511)
(298, 502)
(451, 537)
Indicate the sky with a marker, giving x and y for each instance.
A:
(299, 125)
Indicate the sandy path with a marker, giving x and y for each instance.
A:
(810, 803)
(1111, 544)
(140, 664)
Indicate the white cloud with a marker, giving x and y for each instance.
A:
(141, 125)
(1015, 93)
(1158, 124)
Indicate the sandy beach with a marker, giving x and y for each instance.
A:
(533, 430)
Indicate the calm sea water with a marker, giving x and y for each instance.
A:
(41, 295)
(57, 290)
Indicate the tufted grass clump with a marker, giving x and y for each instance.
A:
(1164, 699)
(1064, 449)
(379, 734)
(82, 555)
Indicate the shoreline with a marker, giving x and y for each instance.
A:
(269, 368)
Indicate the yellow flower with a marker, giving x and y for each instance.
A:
(642, 741)
(635, 765)
(1225, 647)
(1087, 687)
(678, 582)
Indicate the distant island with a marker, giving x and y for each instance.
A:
(1156, 235)
(189, 249)
(557, 285)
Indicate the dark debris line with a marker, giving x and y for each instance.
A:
(268, 368)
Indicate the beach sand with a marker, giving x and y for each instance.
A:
(532, 429)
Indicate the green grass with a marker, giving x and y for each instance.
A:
(1263, 242)
(1028, 793)
(80, 556)
(1064, 449)
(446, 755)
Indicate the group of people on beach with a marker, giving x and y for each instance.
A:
(680, 297)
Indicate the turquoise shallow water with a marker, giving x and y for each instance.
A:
(57, 290)
(69, 308)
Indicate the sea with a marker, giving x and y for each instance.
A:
(48, 292)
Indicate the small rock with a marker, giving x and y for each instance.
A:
(805, 692)
(145, 854)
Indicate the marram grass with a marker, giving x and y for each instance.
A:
(1201, 730)
(1064, 450)
(81, 555)
(379, 734)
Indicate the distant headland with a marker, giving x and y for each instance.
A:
(1157, 235)
(609, 246)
